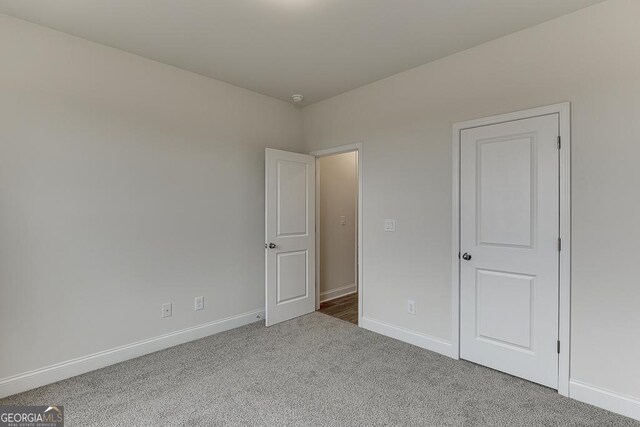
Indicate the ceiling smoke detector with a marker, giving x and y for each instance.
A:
(297, 99)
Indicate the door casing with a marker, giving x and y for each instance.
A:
(356, 147)
(564, 308)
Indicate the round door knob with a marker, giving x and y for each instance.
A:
(269, 245)
(466, 256)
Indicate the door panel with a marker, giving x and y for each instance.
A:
(292, 198)
(505, 196)
(509, 225)
(290, 228)
(292, 274)
(499, 296)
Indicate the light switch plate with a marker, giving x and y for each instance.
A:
(390, 225)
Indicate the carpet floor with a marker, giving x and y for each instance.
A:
(311, 371)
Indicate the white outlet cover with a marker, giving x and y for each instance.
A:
(199, 303)
(167, 310)
(411, 307)
(390, 225)
(343, 220)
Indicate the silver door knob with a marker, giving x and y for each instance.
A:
(466, 256)
(269, 245)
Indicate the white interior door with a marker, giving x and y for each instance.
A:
(509, 228)
(290, 235)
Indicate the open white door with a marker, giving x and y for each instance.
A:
(290, 235)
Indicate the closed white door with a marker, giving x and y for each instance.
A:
(290, 235)
(509, 228)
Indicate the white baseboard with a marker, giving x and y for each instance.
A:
(71, 368)
(338, 292)
(606, 399)
(412, 337)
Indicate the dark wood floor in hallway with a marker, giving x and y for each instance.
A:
(344, 308)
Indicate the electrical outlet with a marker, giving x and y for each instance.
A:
(199, 303)
(411, 306)
(343, 220)
(167, 310)
(390, 225)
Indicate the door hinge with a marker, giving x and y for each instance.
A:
(559, 244)
(558, 346)
(559, 142)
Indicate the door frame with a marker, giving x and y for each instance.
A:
(356, 147)
(564, 307)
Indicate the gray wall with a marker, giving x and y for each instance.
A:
(591, 58)
(124, 183)
(338, 197)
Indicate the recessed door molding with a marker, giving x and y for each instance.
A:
(564, 314)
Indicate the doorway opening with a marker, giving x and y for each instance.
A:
(293, 262)
(337, 224)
